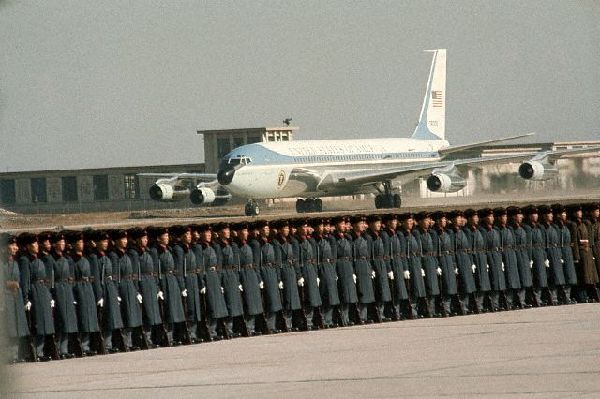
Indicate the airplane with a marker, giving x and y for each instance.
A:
(311, 169)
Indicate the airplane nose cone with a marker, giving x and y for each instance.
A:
(225, 176)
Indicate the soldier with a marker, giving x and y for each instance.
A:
(362, 268)
(415, 272)
(17, 329)
(395, 246)
(173, 314)
(187, 276)
(148, 281)
(560, 222)
(429, 261)
(463, 256)
(493, 247)
(522, 250)
(290, 273)
(509, 257)
(84, 292)
(309, 282)
(35, 283)
(231, 278)
(556, 275)
(327, 271)
(249, 277)
(539, 262)
(581, 239)
(344, 269)
(593, 210)
(61, 283)
(444, 247)
(479, 257)
(381, 266)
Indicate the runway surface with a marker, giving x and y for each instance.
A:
(548, 352)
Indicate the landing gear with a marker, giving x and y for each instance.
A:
(252, 208)
(387, 198)
(309, 205)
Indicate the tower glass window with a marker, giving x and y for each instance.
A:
(38, 189)
(69, 189)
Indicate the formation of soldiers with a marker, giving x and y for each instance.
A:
(82, 293)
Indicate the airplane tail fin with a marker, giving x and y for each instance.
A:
(432, 121)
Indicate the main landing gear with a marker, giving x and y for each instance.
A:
(387, 198)
(252, 208)
(309, 205)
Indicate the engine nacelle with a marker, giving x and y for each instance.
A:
(166, 192)
(202, 196)
(444, 183)
(536, 170)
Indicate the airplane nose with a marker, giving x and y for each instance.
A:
(225, 176)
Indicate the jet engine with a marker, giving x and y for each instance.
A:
(445, 183)
(536, 170)
(166, 192)
(202, 196)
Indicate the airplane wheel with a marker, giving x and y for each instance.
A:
(300, 206)
(252, 209)
(378, 201)
(397, 201)
(309, 205)
(318, 205)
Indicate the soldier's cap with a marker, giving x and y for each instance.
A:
(281, 223)
(455, 213)
(592, 206)
(422, 215)
(137, 233)
(558, 208)
(157, 231)
(89, 234)
(242, 226)
(572, 208)
(102, 235)
(259, 224)
(513, 210)
(117, 234)
(500, 211)
(299, 222)
(357, 219)
(470, 212)
(221, 226)
(544, 209)
(389, 217)
(437, 215)
(45, 236)
(204, 227)
(339, 219)
(405, 216)
(485, 212)
(59, 235)
(27, 238)
(74, 236)
(530, 210)
(317, 221)
(373, 218)
(7, 239)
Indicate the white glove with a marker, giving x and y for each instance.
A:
(439, 271)
(391, 275)
(280, 285)
(119, 299)
(473, 267)
(373, 274)
(203, 290)
(184, 293)
(241, 288)
(531, 264)
(563, 261)
(261, 285)
(300, 282)
(160, 295)
(423, 272)
(100, 302)
(52, 303)
(28, 306)
(222, 290)
(547, 263)
(139, 298)
(456, 271)
(318, 281)
(354, 277)
(502, 266)
(406, 275)
(74, 302)
(487, 267)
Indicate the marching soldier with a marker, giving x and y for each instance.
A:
(362, 268)
(395, 246)
(381, 266)
(327, 272)
(16, 328)
(35, 283)
(582, 240)
(85, 297)
(429, 259)
(594, 220)
(345, 269)
(250, 278)
(415, 272)
(522, 250)
(231, 278)
(173, 313)
(147, 270)
(493, 247)
(539, 262)
(444, 247)
(479, 257)
(556, 275)
(309, 282)
(509, 257)
(560, 222)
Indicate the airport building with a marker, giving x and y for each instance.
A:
(121, 189)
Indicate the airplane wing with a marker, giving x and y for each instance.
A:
(456, 148)
(173, 177)
(406, 173)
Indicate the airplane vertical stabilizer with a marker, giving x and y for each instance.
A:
(432, 121)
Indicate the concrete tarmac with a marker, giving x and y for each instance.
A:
(551, 352)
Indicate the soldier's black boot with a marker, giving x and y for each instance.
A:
(362, 313)
(537, 297)
(447, 306)
(463, 300)
(495, 300)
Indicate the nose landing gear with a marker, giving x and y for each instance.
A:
(252, 208)
(387, 198)
(309, 205)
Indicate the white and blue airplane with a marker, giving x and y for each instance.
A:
(311, 169)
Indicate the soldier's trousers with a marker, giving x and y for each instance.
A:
(271, 318)
(250, 323)
(363, 311)
(537, 296)
(13, 347)
(480, 299)
(431, 305)
(63, 343)
(521, 296)
(379, 308)
(553, 293)
(345, 313)
(212, 327)
(495, 300)
(509, 295)
(288, 318)
(328, 314)
(85, 341)
(40, 340)
(447, 304)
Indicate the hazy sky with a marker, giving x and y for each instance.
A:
(96, 84)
